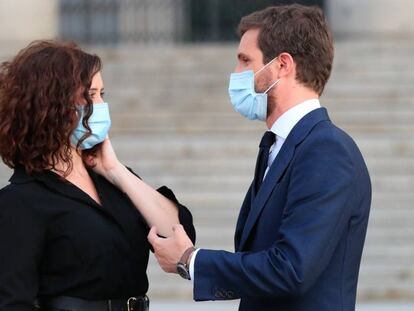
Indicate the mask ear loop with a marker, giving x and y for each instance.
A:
(276, 82)
(266, 65)
(273, 84)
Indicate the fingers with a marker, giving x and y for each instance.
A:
(154, 240)
(90, 160)
(152, 236)
(168, 251)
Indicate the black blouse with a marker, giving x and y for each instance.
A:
(56, 240)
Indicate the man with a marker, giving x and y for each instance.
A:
(302, 225)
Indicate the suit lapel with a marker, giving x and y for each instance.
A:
(280, 164)
(278, 167)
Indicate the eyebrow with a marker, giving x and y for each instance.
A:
(95, 89)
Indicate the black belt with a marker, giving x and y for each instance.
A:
(138, 303)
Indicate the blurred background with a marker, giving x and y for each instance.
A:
(166, 70)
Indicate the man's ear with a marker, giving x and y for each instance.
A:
(286, 65)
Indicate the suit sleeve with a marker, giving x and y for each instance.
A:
(321, 194)
(21, 243)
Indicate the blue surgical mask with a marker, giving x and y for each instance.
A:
(99, 123)
(244, 98)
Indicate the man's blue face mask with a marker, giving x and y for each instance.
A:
(243, 96)
(99, 123)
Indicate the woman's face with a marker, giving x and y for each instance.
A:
(97, 91)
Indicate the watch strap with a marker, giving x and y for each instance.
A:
(186, 255)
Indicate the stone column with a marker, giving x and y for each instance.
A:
(371, 17)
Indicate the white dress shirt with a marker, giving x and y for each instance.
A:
(286, 122)
(282, 127)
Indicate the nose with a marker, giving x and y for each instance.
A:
(98, 99)
(238, 69)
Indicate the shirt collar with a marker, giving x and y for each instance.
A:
(20, 175)
(285, 123)
(56, 183)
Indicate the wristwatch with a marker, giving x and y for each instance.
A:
(183, 266)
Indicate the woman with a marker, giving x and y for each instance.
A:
(73, 220)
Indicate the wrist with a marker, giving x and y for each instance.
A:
(183, 266)
(190, 256)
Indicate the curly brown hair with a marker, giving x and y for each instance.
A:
(40, 89)
(302, 32)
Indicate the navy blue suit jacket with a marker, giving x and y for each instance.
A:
(299, 241)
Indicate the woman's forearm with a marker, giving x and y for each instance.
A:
(156, 209)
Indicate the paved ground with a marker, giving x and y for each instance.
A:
(232, 306)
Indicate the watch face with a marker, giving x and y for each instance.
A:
(183, 271)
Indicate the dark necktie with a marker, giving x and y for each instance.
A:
(267, 141)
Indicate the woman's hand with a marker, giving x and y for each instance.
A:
(156, 209)
(105, 162)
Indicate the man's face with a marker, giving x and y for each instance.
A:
(250, 57)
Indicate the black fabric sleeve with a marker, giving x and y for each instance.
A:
(21, 242)
(184, 215)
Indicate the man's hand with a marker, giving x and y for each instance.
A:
(168, 251)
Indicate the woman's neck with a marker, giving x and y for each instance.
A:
(78, 167)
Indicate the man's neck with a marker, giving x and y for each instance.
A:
(284, 104)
